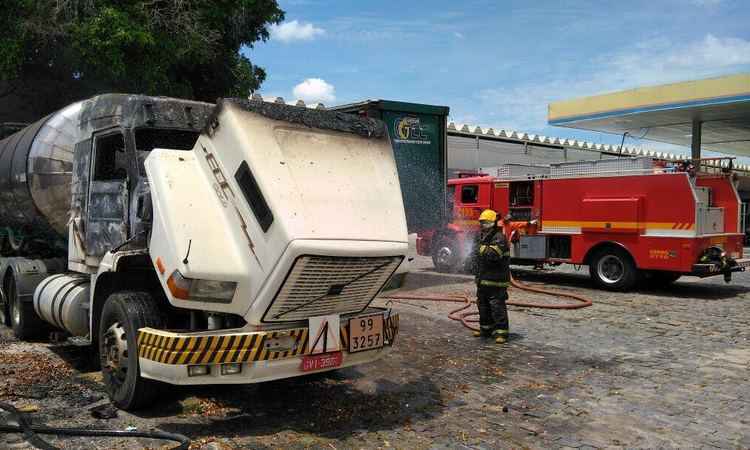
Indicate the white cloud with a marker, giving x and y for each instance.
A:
(713, 52)
(524, 107)
(295, 31)
(661, 61)
(458, 35)
(315, 90)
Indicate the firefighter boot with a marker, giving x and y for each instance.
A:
(501, 336)
(484, 331)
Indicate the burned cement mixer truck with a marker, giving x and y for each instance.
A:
(191, 243)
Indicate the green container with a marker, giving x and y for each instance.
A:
(418, 137)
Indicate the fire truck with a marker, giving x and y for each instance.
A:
(628, 220)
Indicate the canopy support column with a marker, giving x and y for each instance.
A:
(695, 148)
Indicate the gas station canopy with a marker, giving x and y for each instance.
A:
(713, 114)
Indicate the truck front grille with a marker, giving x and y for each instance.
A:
(322, 285)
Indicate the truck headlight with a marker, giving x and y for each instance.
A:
(212, 290)
(200, 290)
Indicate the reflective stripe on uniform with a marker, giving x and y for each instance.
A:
(494, 283)
(483, 248)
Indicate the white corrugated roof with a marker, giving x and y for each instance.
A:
(475, 130)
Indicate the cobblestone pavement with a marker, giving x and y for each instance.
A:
(662, 367)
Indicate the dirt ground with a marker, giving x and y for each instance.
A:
(664, 367)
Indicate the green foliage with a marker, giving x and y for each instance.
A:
(56, 51)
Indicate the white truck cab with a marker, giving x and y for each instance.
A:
(209, 244)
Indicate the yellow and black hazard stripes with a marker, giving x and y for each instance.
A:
(174, 348)
(171, 348)
(390, 328)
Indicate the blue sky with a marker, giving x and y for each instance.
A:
(499, 63)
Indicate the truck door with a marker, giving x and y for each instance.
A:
(107, 205)
(474, 198)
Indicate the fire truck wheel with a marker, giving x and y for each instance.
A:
(124, 313)
(23, 319)
(445, 256)
(613, 269)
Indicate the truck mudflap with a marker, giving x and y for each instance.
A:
(256, 356)
(704, 270)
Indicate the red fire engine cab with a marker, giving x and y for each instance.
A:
(626, 219)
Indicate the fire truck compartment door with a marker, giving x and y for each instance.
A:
(611, 215)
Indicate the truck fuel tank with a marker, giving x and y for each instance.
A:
(63, 301)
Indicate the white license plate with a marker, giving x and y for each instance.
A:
(365, 333)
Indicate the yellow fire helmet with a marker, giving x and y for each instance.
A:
(488, 215)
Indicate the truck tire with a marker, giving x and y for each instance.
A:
(613, 269)
(445, 256)
(23, 319)
(124, 313)
(4, 310)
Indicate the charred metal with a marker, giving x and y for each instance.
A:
(313, 118)
(37, 183)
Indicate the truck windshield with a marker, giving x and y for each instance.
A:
(450, 200)
(147, 139)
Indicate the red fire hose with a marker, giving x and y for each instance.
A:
(464, 317)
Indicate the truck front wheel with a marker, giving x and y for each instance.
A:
(124, 313)
(613, 269)
(445, 256)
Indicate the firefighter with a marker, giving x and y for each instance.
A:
(492, 271)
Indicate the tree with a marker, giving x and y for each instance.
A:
(54, 52)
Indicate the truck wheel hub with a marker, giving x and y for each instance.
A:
(116, 351)
(610, 269)
(444, 255)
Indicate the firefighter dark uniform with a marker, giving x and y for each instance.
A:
(492, 271)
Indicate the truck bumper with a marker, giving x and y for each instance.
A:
(711, 269)
(262, 356)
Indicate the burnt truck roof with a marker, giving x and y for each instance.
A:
(131, 111)
(315, 118)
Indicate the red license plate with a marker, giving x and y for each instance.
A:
(322, 361)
